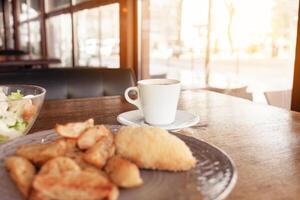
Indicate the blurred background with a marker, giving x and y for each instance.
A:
(244, 48)
(225, 44)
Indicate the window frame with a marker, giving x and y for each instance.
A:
(4, 24)
(18, 23)
(127, 27)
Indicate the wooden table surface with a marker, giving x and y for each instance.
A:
(26, 60)
(263, 141)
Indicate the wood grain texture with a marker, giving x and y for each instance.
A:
(263, 141)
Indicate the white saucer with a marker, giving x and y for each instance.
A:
(183, 119)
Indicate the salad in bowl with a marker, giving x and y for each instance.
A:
(19, 108)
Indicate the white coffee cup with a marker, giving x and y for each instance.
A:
(157, 99)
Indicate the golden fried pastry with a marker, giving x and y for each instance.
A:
(123, 172)
(78, 158)
(154, 148)
(22, 172)
(98, 154)
(74, 185)
(74, 129)
(59, 165)
(30, 151)
(40, 153)
(89, 137)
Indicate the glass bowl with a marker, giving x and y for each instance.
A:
(19, 108)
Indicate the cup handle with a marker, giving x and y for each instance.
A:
(136, 101)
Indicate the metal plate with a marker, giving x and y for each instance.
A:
(213, 177)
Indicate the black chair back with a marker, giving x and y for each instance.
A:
(12, 52)
(65, 83)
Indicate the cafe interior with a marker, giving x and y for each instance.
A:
(220, 75)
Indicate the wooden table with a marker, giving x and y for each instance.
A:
(26, 60)
(263, 141)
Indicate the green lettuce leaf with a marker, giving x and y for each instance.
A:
(19, 125)
(15, 95)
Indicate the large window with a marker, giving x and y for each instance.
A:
(23, 16)
(35, 37)
(97, 33)
(29, 9)
(1, 26)
(34, 8)
(10, 26)
(221, 45)
(225, 44)
(59, 38)
(30, 26)
(83, 37)
(24, 36)
(81, 33)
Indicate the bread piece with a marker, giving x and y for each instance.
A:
(123, 172)
(90, 136)
(98, 154)
(22, 172)
(154, 148)
(58, 166)
(73, 129)
(77, 156)
(74, 185)
(54, 169)
(40, 153)
(31, 151)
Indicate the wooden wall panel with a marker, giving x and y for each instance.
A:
(295, 106)
(128, 35)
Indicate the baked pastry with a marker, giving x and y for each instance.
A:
(98, 154)
(123, 172)
(22, 172)
(154, 148)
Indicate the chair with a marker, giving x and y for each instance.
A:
(240, 92)
(12, 52)
(280, 98)
(69, 83)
